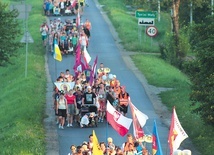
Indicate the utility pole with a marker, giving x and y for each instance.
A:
(190, 13)
(212, 7)
(158, 10)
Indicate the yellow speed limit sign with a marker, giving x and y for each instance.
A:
(151, 31)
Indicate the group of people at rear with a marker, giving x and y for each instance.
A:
(66, 34)
(105, 87)
(131, 146)
(63, 7)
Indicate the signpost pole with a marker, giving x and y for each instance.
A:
(140, 34)
(151, 41)
(26, 38)
(145, 35)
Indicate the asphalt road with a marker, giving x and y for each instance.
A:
(102, 43)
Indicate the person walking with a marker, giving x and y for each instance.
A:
(124, 100)
(61, 110)
(72, 106)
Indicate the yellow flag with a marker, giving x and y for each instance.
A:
(57, 53)
(96, 146)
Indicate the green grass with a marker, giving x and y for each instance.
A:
(22, 101)
(160, 73)
(133, 37)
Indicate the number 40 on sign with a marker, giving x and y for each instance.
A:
(151, 31)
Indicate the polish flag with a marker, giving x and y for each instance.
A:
(119, 122)
(139, 120)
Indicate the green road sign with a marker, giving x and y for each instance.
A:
(145, 14)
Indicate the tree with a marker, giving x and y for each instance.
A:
(9, 32)
(202, 70)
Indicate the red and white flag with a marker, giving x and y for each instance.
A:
(176, 133)
(139, 120)
(86, 56)
(119, 122)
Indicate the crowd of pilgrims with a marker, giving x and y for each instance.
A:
(105, 87)
(66, 34)
(63, 7)
(131, 146)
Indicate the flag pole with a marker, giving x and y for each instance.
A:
(55, 69)
(106, 135)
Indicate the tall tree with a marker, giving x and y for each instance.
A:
(175, 23)
(9, 31)
(202, 70)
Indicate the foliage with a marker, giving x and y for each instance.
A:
(168, 49)
(202, 74)
(8, 34)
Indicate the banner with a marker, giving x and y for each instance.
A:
(96, 145)
(65, 86)
(156, 146)
(57, 52)
(120, 123)
(139, 120)
(93, 71)
(176, 133)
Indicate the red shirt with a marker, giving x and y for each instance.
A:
(70, 99)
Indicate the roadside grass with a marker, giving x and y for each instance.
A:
(133, 37)
(22, 100)
(161, 74)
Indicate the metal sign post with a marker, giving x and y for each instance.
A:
(152, 32)
(140, 34)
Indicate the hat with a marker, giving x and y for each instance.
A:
(89, 87)
(114, 76)
(84, 143)
(110, 139)
(58, 19)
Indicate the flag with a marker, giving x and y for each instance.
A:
(93, 71)
(78, 60)
(96, 146)
(119, 122)
(156, 146)
(87, 57)
(64, 85)
(57, 52)
(176, 133)
(78, 55)
(139, 120)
